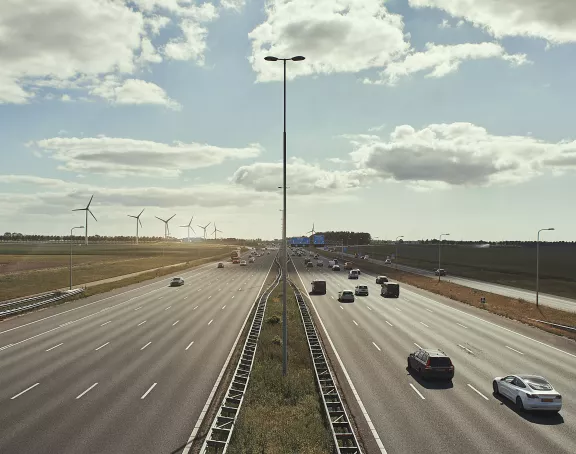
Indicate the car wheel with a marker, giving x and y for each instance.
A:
(495, 388)
(519, 404)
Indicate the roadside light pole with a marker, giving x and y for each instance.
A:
(538, 262)
(374, 238)
(396, 256)
(72, 230)
(284, 251)
(439, 250)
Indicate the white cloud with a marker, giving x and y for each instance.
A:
(156, 23)
(119, 157)
(149, 54)
(444, 24)
(66, 98)
(441, 60)
(334, 36)
(461, 154)
(183, 8)
(377, 128)
(236, 5)
(552, 20)
(189, 47)
(133, 91)
(302, 178)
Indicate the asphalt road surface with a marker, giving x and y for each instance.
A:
(558, 302)
(128, 373)
(374, 336)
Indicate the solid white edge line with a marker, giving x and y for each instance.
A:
(147, 392)
(215, 387)
(417, 392)
(376, 346)
(55, 346)
(474, 389)
(346, 374)
(417, 345)
(189, 345)
(80, 395)
(101, 346)
(513, 349)
(25, 391)
(103, 299)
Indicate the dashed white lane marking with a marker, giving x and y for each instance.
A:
(417, 345)
(223, 307)
(398, 310)
(417, 392)
(514, 350)
(232, 296)
(167, 308)
(388, 322)
(141, 323)
(376, 346)
(356, 323)
(341, 308)
(55, 346)
(463, 326)
(147, 392)
(185, 297)
(109, 321)
(80, 395)
(195, 308)
(210, 321)
(465, 348)
(25, 391)
(210, 297)
(189, 345)
(101, 346)
(145, 345)
(428, 310)
(474, 389)
(369, 308)
(175, 323)
(139, 307)
(422, 323)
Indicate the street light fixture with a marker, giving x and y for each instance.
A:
(439, 249)
(396, 256)
(71, 230)
(284, 251)
(538, 262)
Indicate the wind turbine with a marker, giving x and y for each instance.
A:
(138, 221)
(216, 230)
(166, 228)
(204, 228)
(87, 209)
(189, 227)
(312, 231)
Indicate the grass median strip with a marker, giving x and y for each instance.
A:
(281, 414)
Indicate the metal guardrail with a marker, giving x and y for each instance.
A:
(343, 434)
(26, 304)
(570, 328)
(220, 433)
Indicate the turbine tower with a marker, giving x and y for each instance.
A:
(312, 231)
(189, 226)
(204, 227)
(138, 221)
(216, 230)
(166, 228)
(87, 210)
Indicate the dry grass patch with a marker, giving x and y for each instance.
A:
(281, 414)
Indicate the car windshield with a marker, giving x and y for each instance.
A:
(537, 383)
(363, 287)
(346, 293)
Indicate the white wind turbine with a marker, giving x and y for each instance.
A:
(166, 228)
(204, 227)
(189, 226)
(87, 210)
(138, 221)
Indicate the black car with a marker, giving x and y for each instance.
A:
(431, 363)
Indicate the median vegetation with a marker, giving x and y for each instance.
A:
(513, 308)
(281, 414)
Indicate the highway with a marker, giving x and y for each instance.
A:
(373, 337)
(123, 373)
(558, 302)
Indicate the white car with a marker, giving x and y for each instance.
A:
(242, 262)
(529, 392)
(387, 262)
(251, 260)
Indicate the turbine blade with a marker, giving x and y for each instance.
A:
(170, 217)
(93, 215)
(90, 201)
(80, 209)
(140, 222)
(141, 212)
(160, 218)
(193, 230)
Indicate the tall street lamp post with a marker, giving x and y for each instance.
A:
(284, 252)
(439, 253)
(538, 262)
(72, 230)
(396, 256)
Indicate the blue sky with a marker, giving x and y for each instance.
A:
(408, 117)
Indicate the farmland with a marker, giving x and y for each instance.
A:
(30, 268)
(513, 266)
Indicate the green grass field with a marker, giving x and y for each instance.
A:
(27, 269)
(514, 266)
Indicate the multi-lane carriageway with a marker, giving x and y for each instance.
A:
(374, 335)
(127, 373)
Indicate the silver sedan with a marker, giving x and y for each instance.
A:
(528, 392)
